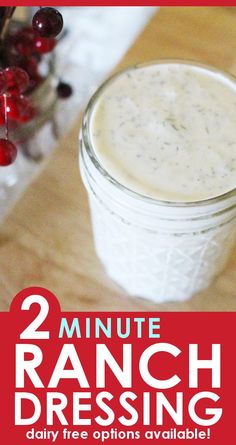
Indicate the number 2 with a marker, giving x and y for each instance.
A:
(32, 332)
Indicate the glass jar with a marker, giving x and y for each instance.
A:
(154, 249)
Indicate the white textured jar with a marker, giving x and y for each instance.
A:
(153, 248)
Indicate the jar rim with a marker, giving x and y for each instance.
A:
(85, 130)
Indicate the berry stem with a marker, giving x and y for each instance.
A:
(6, 117)
(5, 21)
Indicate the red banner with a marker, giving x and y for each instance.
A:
(126, 3)
(114, 377)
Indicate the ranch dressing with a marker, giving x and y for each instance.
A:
(168, 131)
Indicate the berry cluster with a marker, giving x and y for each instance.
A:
(26, 46)
(14, 106)
(14, 81)
(22, 53)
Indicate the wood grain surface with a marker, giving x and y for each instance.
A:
(47, 239)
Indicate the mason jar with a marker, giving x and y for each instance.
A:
(152, 248)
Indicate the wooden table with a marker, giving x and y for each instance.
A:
(47, 240)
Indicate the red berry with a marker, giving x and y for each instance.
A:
(64, 90)
(2, 117)
(47, 22)
(43, 45)
(19, 109)
(8, 152)
(17, 80)
(13, 111)
(23, 41)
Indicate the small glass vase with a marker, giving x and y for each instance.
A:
(34, 139)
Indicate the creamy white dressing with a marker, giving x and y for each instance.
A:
(168, 131)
